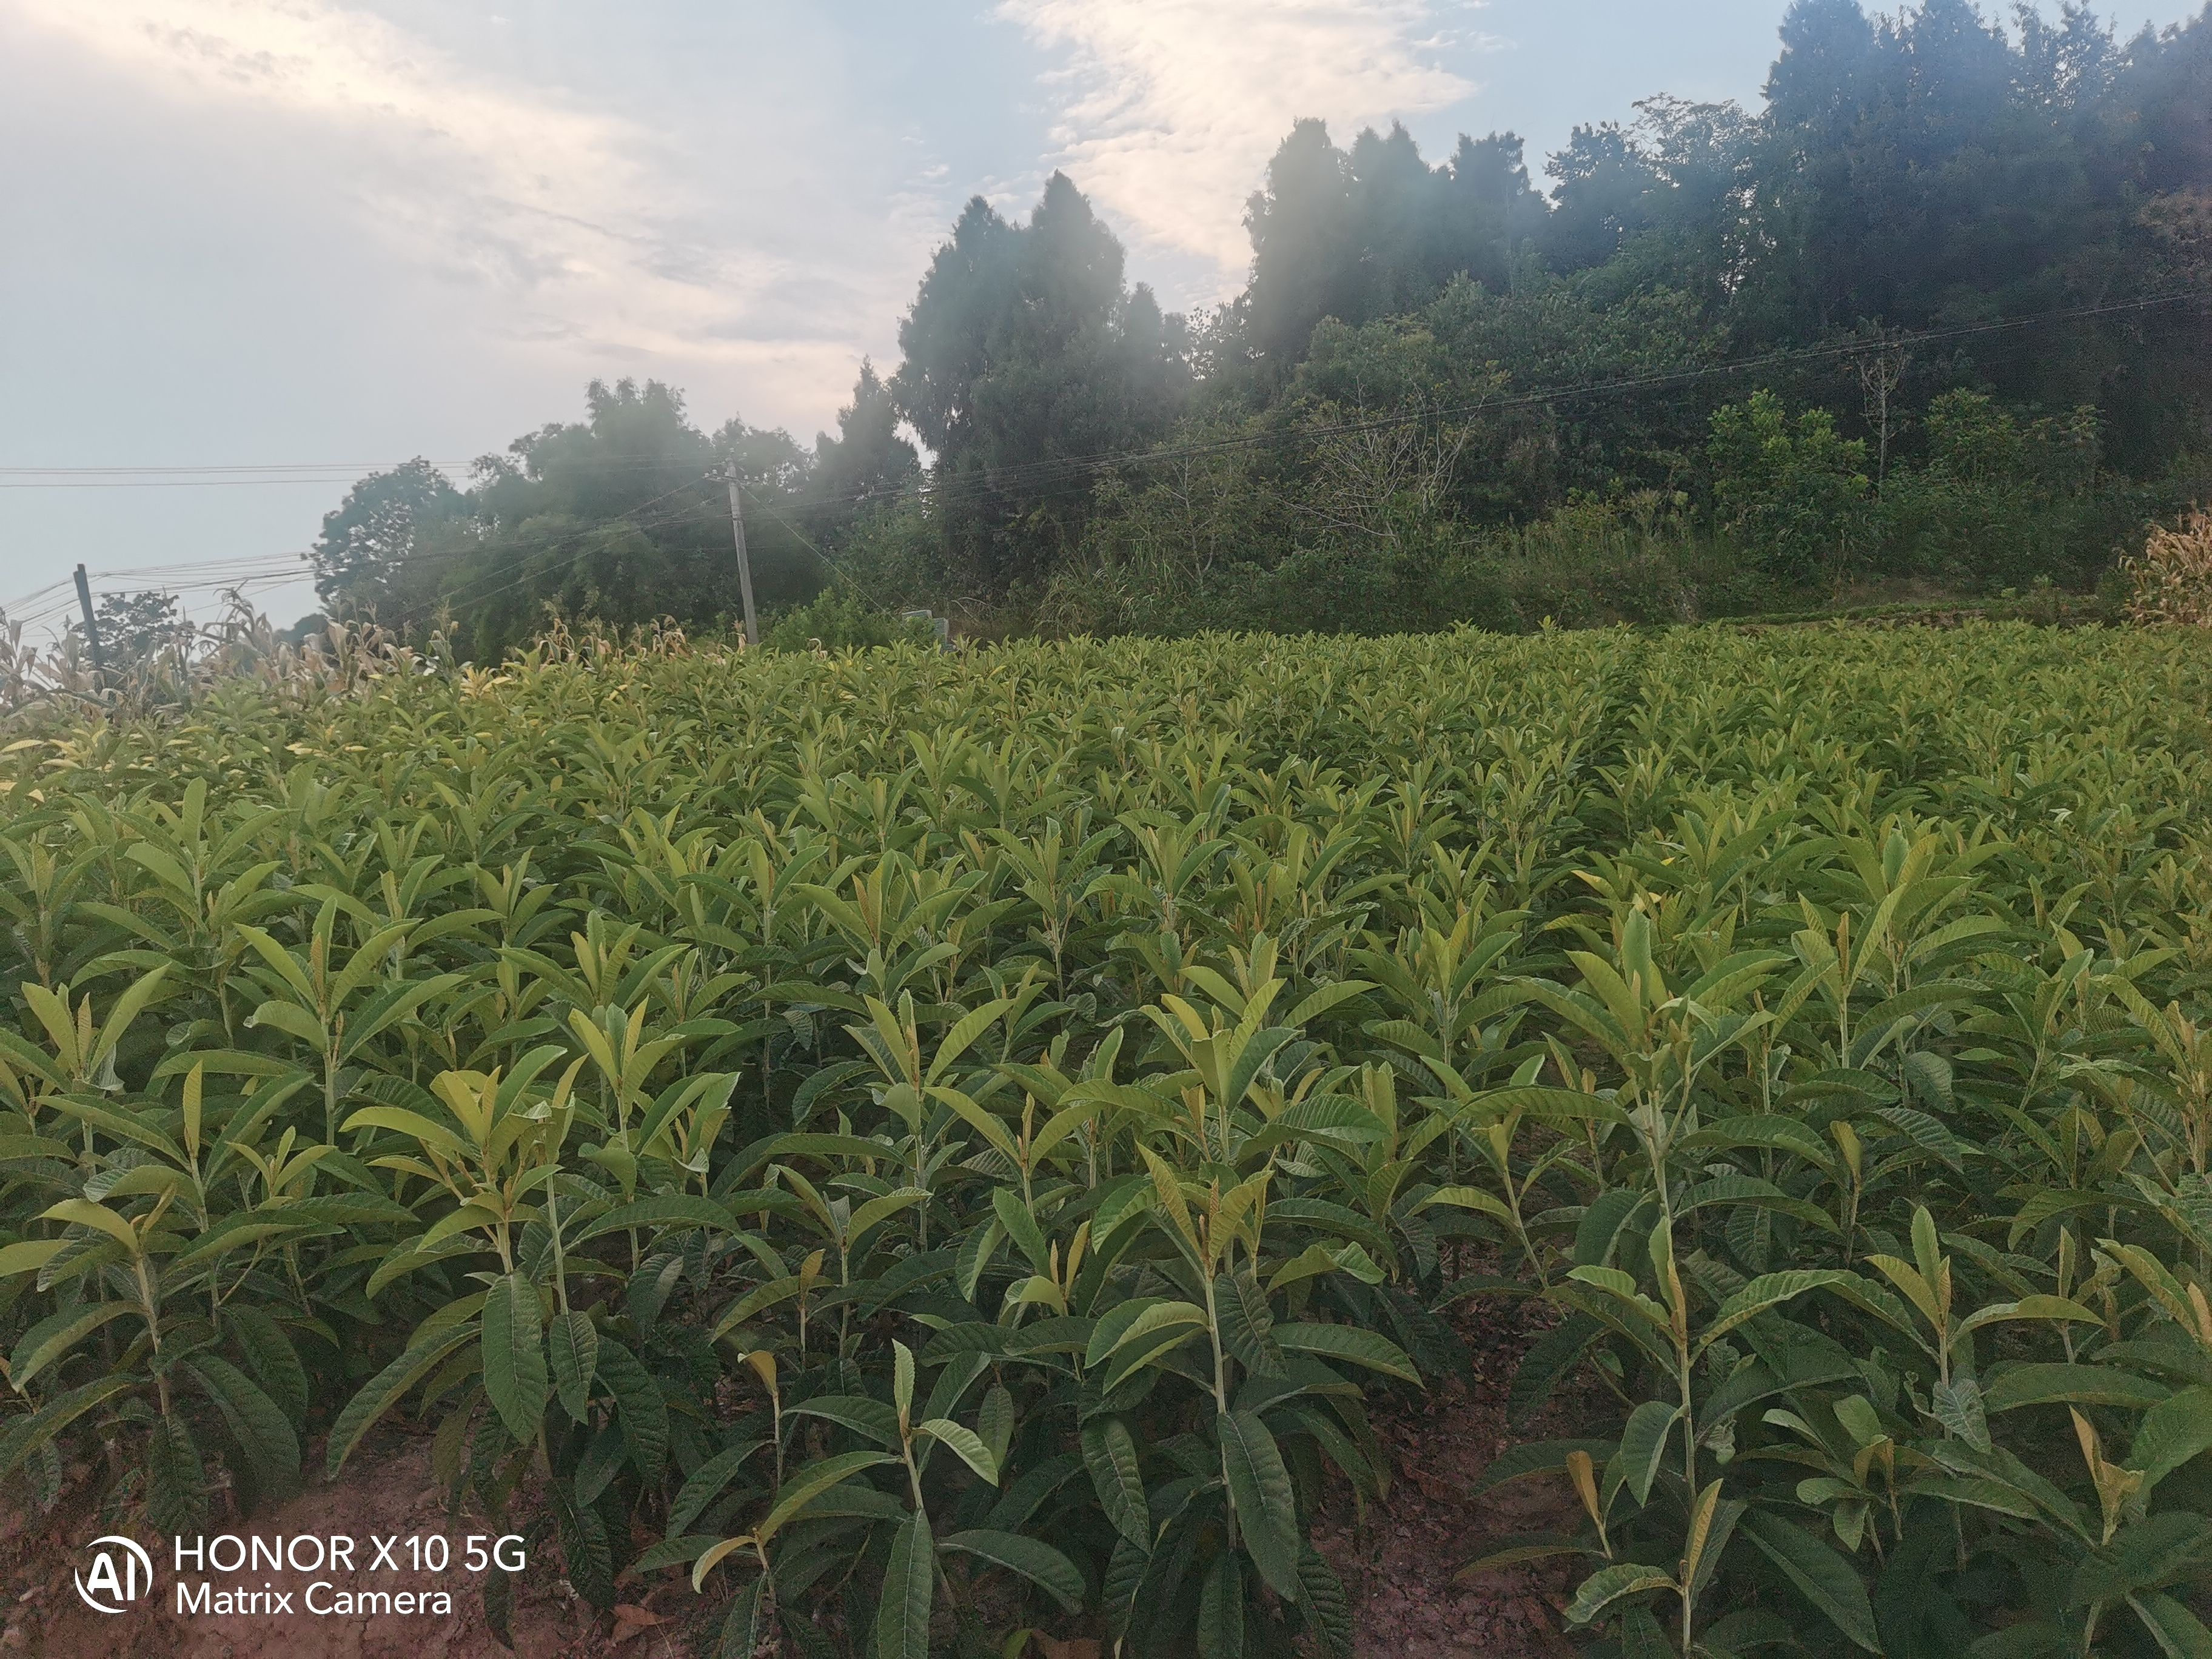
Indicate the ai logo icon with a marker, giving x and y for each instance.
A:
(121, 1572)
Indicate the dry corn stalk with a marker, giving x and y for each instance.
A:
(2170, 582)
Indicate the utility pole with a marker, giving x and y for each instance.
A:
(91, 628)
(744, 565)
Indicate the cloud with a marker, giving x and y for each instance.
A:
(551, 223)
(1169, 109)
(481, 183)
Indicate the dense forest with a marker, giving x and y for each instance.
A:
(1929, 320)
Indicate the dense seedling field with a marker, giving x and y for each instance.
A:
(936, 1146)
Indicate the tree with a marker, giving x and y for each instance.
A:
(869, 463)
(1925, 172)
(1304, 246)
(1493, 209)
(368, 540)
(1601, 197)
(1025, 350)
(136, 629)
(621, 518)
(1376, 231)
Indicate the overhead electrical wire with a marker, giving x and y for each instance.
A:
(1051, 471)
(830, 564)
(211, 474)
(939, 488)
(575, 538)
(219, 572)
(215, 476)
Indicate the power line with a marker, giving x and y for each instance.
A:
(224, 474)
(1070, 467)
(215, 475)
(1058, 469)
(55, 611)
(828, 564)
(217, 573)
(251, 570)
(577, 537)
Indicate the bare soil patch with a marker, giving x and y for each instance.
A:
(1399, 1560)
(389, 1493)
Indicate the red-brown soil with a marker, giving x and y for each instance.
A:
(391, 1494)
(1398, 1561)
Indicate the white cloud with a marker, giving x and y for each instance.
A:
(1173, 107)
(572, 228)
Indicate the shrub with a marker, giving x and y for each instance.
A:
(837, 619)
(884, 1130)
(1793, 491)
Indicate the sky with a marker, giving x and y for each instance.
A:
(312, 238)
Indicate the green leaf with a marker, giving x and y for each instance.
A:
(1111, 1455)
(1550, 1358)
(1644, 1445)
(574, 1341)
(1609, 1584)
(1042, 1565)
(271, 1357)
(706, 1484)
(804, 1486)
(1267, 1507)
(176, 1480)
(587, 1550)
(1327, 1608)
(25, 1434)
(384, 1390)
(52, 1337)
(965, 1443)
(877, 1210)
(255, 1421)
(514, 1356)
(909, 1581)
(1554, 1105)
(1246, 1325)
(745, 1623)
(1777, 1132)
(669, 1214)
(1620, 1289)
(2177, 1632)
(1221, 1610)
(871, 1420)
(638, 1406)
(1517, 1548)
(1825, 1579)
(2162, 1550)
(901, 1378)
(1472, 1198)
(1765, 1291)
(1144, 1329)
(30, 1255)
(1536, 1457)
(1350, 1344)
(2002, 1467)
(2174, 1431)
(1958, 1406)
(1021, 1226)
(1320, 1001)
(2010, 1387)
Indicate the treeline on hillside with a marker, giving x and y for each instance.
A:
(1909, 320)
